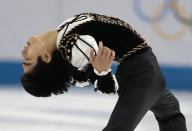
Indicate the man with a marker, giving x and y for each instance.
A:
(73, 54)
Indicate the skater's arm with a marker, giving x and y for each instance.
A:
(82, 56)
(104, 82)
(99, 73)
(102, 76)
(80, 59)
(99, 70)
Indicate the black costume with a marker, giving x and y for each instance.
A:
(138, 81)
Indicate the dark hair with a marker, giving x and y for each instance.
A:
(47, 78)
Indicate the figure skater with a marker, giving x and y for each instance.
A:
(73, 54)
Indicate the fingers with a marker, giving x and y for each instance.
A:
(105, 53)
(104, 58)
(100, 49)
(108, 54)
(112, 56)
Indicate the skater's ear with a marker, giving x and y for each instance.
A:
(46, 56)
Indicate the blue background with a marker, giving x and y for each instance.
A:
(176, 77)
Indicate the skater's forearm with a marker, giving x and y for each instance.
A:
(104, 82)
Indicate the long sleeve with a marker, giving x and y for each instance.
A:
(104, 82)
(80, 84)
(80, 59)
(84, 73)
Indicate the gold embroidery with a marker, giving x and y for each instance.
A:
(133, 50)
(67, 57)
(113, 20)
(65, 46)
(105, 19)
(117, 21)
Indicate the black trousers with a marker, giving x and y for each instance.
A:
(142, 87)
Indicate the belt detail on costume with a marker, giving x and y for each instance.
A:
(133, 50)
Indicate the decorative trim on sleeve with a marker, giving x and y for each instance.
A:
(116, 83)
(106, 84)
(69, 24)
(79, 59)
(103, 72)
(81, 84)
(95, 86)
(99, 91)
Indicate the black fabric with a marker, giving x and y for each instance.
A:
(142, 87)
(105, 83)
(116, 37)
(174, 122)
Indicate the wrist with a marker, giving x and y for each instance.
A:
(101, 73)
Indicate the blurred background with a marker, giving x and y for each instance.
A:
(165, 24)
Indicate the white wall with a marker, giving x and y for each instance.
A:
(19, 19)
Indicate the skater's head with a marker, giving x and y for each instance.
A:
(39, 46)
(45, 71)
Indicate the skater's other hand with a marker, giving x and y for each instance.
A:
(104, 58)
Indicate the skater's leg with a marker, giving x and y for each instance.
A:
(140, 85)
(129, 110)
(168, 114)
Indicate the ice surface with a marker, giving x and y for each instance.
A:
(81, 109)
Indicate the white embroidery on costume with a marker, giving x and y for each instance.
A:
(78, 59)
(81, 84)
(70, 26)
(116, 83)
(103, 72)
(116, 86)
(95, 86)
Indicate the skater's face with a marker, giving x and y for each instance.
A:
(39, 45)
(31, 51)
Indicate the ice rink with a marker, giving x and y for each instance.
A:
(81, 109)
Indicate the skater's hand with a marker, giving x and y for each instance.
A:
(104, 58)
